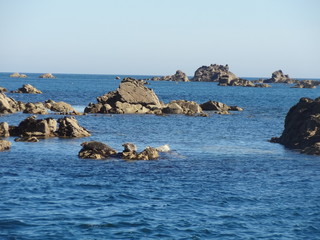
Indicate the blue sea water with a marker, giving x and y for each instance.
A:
(223, 179)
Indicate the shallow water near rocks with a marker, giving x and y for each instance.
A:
(223, 179)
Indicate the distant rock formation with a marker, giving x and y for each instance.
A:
(302, 127)
(236, 82)
(183, 107)
(47, 75)
(213, 73)
(4, 145)
(279, 77)
(179, 76)
(27, 88)
(219, 107)
(18, 75)
(307, 84)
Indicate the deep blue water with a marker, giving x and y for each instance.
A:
(223, 179)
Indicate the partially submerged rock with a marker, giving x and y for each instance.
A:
(302, 127)
(27, 88)
(179, 76)
(4, 129)
(4, 145)
(61, 107)
(96, 150)
(279, 77)
(130, 153)
(18, 75)
(26, 139)
(69, 128)
(213, 73)
(307, 84)
(183, 107)
(219, 107)
(35, 108)
(47, 75)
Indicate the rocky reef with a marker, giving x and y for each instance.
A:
(47, 75)
(179, 76)
(18, 75)
(302, 127)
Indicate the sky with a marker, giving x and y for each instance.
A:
(158, 37)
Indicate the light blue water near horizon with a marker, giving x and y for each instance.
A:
(223, 179)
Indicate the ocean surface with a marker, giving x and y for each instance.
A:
(222, 180)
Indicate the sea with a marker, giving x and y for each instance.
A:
(221, 180)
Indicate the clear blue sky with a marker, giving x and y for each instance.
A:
(255, 37)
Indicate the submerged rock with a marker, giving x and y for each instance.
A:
(27, 88)
(4, 145)
(69, 128)
(213, 73)
(302, 127)
(96, 150)
(47, 75)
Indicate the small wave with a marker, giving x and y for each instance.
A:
(12, 224)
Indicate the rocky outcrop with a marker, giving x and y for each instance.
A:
(131, 97)
(279, 77)
(96, 150)
(4, 145)
(61, 107)
(302, 127)
(18, 75)
(9, 105)
(130, 153)
(4, 129)
(183, 107)
(27, 88)
(307, 84)
(3, 90)
(179, 76)
(35, 108)
(47, 75)
(236, 82)
(32, 127)
(262, 85)
(213, 73)
(69, 128)
(219, 107)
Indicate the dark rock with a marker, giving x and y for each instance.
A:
(4, 145)
(3, 90)
(27, 88)
(302, 127)
(4, 129)
(69, 128)
(96, 150)
(47, 75)
(219, 107)
(214, 73)
(117, 78)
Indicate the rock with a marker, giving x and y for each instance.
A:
(302, 127)
(69, 128)
(61, 107)
(4, 145)
(180, 76)
(117, 78)
(4, 129)
(47, 75)
(129, 147)
(32, 127)
(96, 150)
(183, 107)
(163, 148)
(26, 139)
(148, 154)
(224, 81)
(262, 85)
(18, 75)
(307, 84)
(279, 77)
(3, 90)
(219, 107)
(9, 105)
(35, 108)
(27, 88)
(129, 152)
(213, 73)
(131, 97)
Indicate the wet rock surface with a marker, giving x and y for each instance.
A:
(302, 127)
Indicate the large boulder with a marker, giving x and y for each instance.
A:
(32, 127)
(96, 150)
(47, 75)
(27, 88)
(4, 129)
(279, 77)
(183, 107)
(18, 75)
(213, 73)
(35, 108)
(9, 105)
(219, 107)
(302, 127)
(4, 145)
(69, 128)
(61, 107)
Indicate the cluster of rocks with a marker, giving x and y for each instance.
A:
(10, 105)
(47, 75)
(307, 84)
(31, 129)
(27, 88)
(242, 82)
(99, 150)
(279, 77)
(302, 127)
(213, 73)
(179, 76)
(18, 75)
